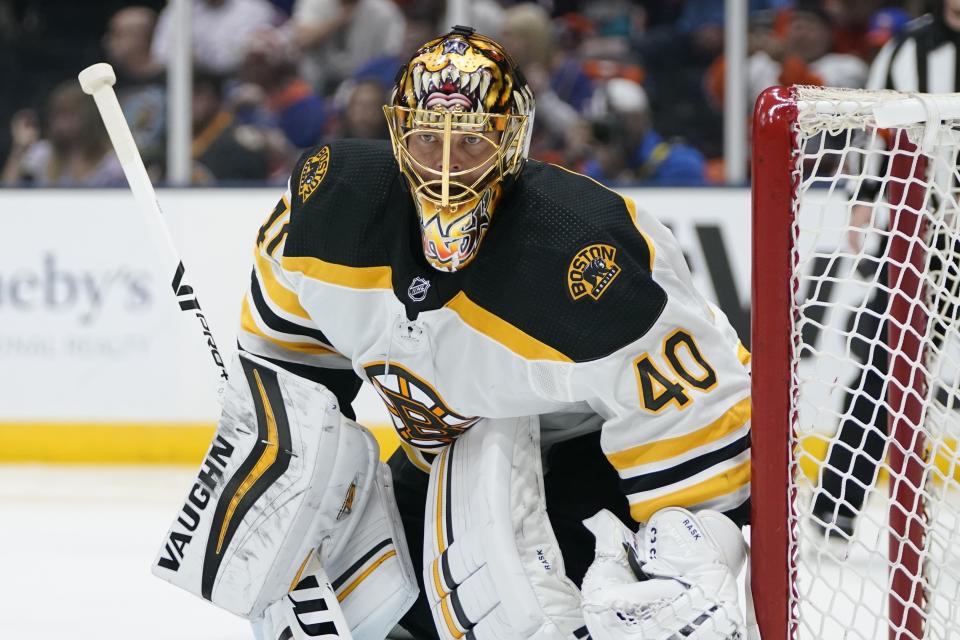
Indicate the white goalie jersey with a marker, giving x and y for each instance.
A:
(579, 309)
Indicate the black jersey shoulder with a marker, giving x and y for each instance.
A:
(342, 194)
(552, 225)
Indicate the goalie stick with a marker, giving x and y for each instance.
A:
(97, 80)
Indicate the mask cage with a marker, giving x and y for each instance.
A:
(442, 186)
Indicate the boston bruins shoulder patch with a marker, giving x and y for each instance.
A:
(313, 172)
(592, 271)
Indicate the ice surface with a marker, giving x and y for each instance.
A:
(76, 547)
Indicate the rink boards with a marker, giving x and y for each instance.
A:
(99, 364)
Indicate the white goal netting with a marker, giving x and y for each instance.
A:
(875, 493)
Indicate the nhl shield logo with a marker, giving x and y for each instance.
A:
(592, 271)
(418, 289)
(313, 172)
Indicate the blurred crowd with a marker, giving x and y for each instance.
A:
(627, 91)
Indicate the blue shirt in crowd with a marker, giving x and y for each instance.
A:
(661, 163)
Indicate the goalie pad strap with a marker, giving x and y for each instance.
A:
(373, 575)
(306, 611)
(492, 567)
(373, 580)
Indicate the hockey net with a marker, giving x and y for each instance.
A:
(856, 365)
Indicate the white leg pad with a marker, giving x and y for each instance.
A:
(373, 576)
(286, 473)
(491, 564)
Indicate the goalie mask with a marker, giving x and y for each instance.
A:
(460, 118)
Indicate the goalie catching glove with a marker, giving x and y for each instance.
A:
(675, 578)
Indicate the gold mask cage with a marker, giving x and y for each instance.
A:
(505, 135)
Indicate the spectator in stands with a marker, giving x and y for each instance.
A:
(76, 151)
(850, 23)
(9, 34)
(676, 57)
(600, 63)
(529, 34)
(420, 25)
(486, 16)
(21, 163)
(613, 25)
(141, 86)
(885, 24)
(805, 56)
(628, 149)
(221, 149)
(335, 37)
(220, 32)
(286, 100)
(361, 112)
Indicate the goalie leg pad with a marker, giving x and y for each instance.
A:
(372, 579)
(491, 563)
(373, 576)
(461, 572)
(286, 473)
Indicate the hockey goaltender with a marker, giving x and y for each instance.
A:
(549, 368)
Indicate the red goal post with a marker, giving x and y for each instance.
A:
(892, 568)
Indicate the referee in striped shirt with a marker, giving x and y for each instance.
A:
(923, 58)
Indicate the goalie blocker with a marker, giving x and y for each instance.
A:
(289, 487)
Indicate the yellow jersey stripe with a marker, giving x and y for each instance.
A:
(338, 274)
(742, 354)
(735, 418)
(281, 296)
(723, 483)
(356, 583)
(631, 209)
(502, 331)
(249, 324)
